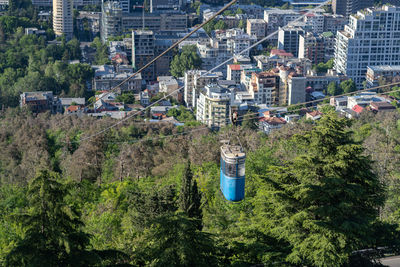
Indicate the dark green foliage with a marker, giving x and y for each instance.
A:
(101, 57)
(181, 114)
(27, 64)
(324, 67)
(348, 86)
(127, 98)
(189, 197)
(174, 240)
(188, 59)
(312, 192)
(333, 89)
(52, 228)
(249, 121)
(325, 201)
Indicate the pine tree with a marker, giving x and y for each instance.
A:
(324, 202)
(190, 198)
(52, 229)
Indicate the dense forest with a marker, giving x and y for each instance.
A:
(323, 194)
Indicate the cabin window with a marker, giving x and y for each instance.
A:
(241, 169)
(230, 169)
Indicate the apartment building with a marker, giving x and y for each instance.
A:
(315, 21)
(63, 18)
(143, 52)
(222, 47)
(235, 71)
(372, 38)
(46, 4)
(194, 81)
(257, 28)
(348, 7)
(334, 22)
(277, 18)
(114, 22)
(312, 46)
(288, 39)
(107, 77)
(213, 106)
(39, 102)
(166, 5)
(264, 88)
(380, 75)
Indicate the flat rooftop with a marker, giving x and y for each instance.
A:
(385, 68)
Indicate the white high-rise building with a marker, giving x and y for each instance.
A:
(63, 18)
(371, 38)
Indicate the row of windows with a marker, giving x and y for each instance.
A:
(233, 170)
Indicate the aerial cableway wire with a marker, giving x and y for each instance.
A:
(211, 70)
(168, 50)
(250, 116)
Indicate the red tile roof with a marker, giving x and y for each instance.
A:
(281, 52)
(235, 67)
(73, 108)
(357, 109)
(314, 113)
(273, 120)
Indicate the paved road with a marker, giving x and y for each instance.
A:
(391, 261)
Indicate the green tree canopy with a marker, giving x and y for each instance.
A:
(333, 89)
(189, 197)
(52, 228)
(324, 202)
(188, 59)
(348, 86)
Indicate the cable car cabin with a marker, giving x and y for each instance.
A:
(232, 172)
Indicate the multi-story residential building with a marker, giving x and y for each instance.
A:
(62, 18)
(279, 59)
(143, 52)
(39, 102)
(257, 28)
(277, 18)
(222, 47)
(115, 23)
(372, 38)
(194, 81)
(288, 39)
(334, 22)
(348, 7)
(110, 23)
(380, 75)
(312, 46)
(106, 77)
(166, 5)
(213, 106)
(292, 87)
(316, 22)
(320, 83)
(264, 88)
(235, 71)
(329, 44)
(88, 22)
(76, 3)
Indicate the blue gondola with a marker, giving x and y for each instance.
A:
(232, 176)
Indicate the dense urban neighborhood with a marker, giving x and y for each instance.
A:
(199, 133)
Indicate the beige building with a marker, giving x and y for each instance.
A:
(213, 106)
(257, 28)
(62, 18)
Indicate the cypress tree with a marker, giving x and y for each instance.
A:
(190, 198)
